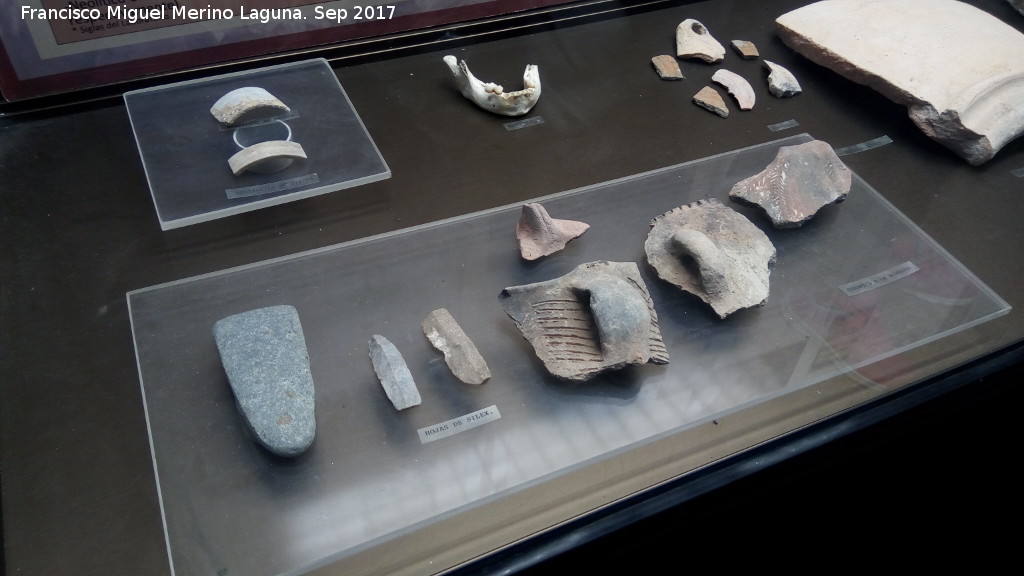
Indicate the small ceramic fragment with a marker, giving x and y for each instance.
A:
(598, 317)
(492, 97)
(713, 252)
(266, 157)
(460, 353)
(694, 41)
(709, 99)
(797, 184)
(264, 356)
(393, 373)
(540, 235)
(247, 104)
(746, 49)
(667, 67)
(737, 86)
(958, 69)
(781, 82)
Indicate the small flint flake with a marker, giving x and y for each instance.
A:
(393, 373)
(460, 353)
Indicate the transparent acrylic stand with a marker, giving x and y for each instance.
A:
(230, 507)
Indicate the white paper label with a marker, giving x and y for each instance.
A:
(881, 279)
(460, 424)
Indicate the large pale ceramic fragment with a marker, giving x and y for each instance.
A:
(694, 41)
(492, 97)
(393, 373)
(781, 82)
(709, 99)
(264, 355)
(460, 354)
(737, 86)
(266, 157)
(541, 235)
(598, 317)
(247, 104)
(667, 67)
(959, 70)
(713, 252)
(797, 184)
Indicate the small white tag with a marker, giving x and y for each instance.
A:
(460, 424)
(881, 279)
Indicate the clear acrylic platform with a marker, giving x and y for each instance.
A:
(858, 284)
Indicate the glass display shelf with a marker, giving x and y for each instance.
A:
(185, 150)
(857, 284)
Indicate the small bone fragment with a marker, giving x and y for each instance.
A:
(460, 353)
(957, 68)
(746, 49)
(737, 86)
(492, 97)
(713, 252)
(694, 41)
(540, 235)
(246, 105)
(781, 82)
(393, 373)
(599, 317)
(264, 356)
(266, 157)
(797, 184)
(667, 67)
(709, 99)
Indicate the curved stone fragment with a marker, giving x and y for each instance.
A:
(599, 317)
(541, 235)
(492, 97)
(709, 99)
(746, 49)
(460, 354)
(737, 86)
(694, 41)
(713, 252)
(266, 157)
(797, 184)
(667, 67)
(781, 82)
(264, 356)
(247, 104)
(393, 373)
(958, 69)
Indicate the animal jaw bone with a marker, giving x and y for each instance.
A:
(492, 97)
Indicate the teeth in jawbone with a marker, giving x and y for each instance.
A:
(492, 97)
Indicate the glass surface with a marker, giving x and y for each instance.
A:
(843, 296)
(185, 150)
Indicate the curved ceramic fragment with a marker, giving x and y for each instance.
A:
(460, 354)
(694, 41)
(746, 49)
(266, 157)
(247, 104)
(709, 99)
(667, 67)
(393, 373)
(781, 82)
(797, 184)
(737, 86)
(541, 235)
(958, 69)
(264, 356)
(492, 97)
(713, 252)
(598, 317)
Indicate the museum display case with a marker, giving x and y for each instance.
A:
(128, 235)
